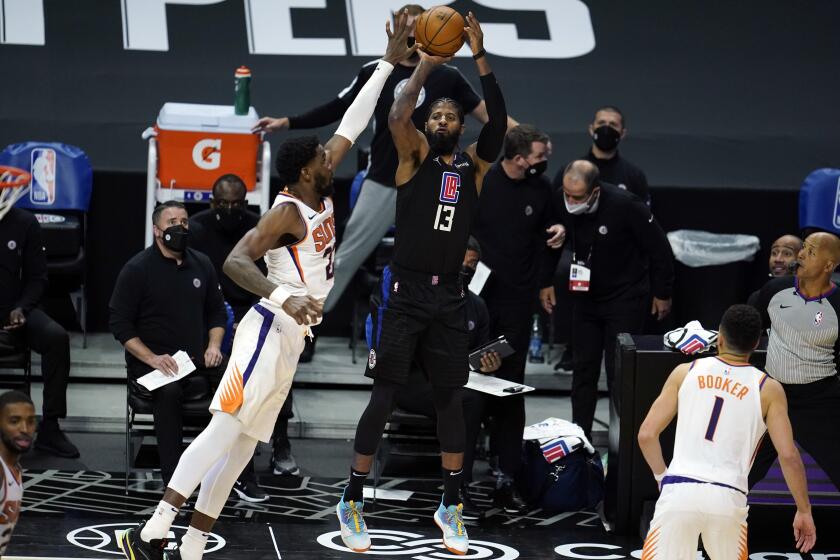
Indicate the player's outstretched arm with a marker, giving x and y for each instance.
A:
(492, 135)
(358, 115)
(661, 413)
(781, 434)
(412, 146)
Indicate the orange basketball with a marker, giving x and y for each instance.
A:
(440, 30)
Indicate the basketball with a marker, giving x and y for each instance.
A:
(440, 30)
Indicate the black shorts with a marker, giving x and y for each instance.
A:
(422, 318)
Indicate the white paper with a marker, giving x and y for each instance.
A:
(482, 273)
(387, 494)
(493, 385)
(157, 379)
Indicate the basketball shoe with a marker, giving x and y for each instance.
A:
(354, 532)
(451, 522)
(134, 548)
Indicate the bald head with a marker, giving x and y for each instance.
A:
(819, 257)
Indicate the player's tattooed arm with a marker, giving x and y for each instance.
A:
(412, 146)
(280, 226)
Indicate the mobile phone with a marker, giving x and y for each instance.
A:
(515, 389)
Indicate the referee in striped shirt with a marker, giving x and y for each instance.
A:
(803, 314)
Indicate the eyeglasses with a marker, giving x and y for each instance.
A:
(222, 203)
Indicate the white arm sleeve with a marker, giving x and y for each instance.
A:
(359, 112)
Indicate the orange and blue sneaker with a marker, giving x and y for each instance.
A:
(451, 522)
(354, 532)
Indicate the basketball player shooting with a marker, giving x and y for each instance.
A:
(17, 426)
(297, 239)
(724, 408)
(423, 313)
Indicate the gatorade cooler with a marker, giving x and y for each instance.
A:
(199, 143)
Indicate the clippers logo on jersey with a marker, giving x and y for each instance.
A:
(818, 318)
(43, 176)
(450, 185)
(323, 234)
(693, 344)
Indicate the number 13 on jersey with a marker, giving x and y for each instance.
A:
(444, 217)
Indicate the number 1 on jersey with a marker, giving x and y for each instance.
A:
(444, 217)
(713, 421)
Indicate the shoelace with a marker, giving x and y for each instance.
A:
(352, 511)
(457, 518)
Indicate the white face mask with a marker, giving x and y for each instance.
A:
(582, 207)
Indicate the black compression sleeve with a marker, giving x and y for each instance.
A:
(322, 115)
(493, 133)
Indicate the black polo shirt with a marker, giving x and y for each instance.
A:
(170, 307)
(622, 244)
(616, 171)
(23, 263)
(510, 227)
(207, 236)
(443, 81)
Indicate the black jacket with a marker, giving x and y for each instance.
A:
(622, 244)
(23, 263)
(170, 307)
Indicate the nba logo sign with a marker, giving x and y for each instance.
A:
(43, 176)
(449, 187)
(837, 206)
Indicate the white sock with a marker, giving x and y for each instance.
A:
(192, 544)
(157, 527)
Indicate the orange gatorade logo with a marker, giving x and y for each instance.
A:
(207, 153)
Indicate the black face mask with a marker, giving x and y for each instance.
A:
(537, 169)
(228, 220)
(606, 138)
(176, 238)
(467, 274)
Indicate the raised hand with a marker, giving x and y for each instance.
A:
(269, 124)
(398, 48)
(474, 34)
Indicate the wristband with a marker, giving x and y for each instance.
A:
(479, 54)
(279, 296)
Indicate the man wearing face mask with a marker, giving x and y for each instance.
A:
(167, 298)
(620, 256)
(607, 130)
(514, 211)
(217, 230)
(375, 210)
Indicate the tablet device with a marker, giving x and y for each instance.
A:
(499, 345)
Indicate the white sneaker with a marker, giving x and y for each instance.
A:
(354, 532)
(451, 522)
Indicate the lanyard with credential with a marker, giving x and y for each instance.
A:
(579, 273)
(588, 261)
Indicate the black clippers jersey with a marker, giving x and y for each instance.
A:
(434, 213)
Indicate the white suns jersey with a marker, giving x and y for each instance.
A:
(11, 495)
(305, 268)
(719, 422)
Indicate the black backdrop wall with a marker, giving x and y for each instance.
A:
(716, 93)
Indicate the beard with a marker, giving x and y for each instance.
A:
(12, 446)
(324, 185)
(442, 143)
